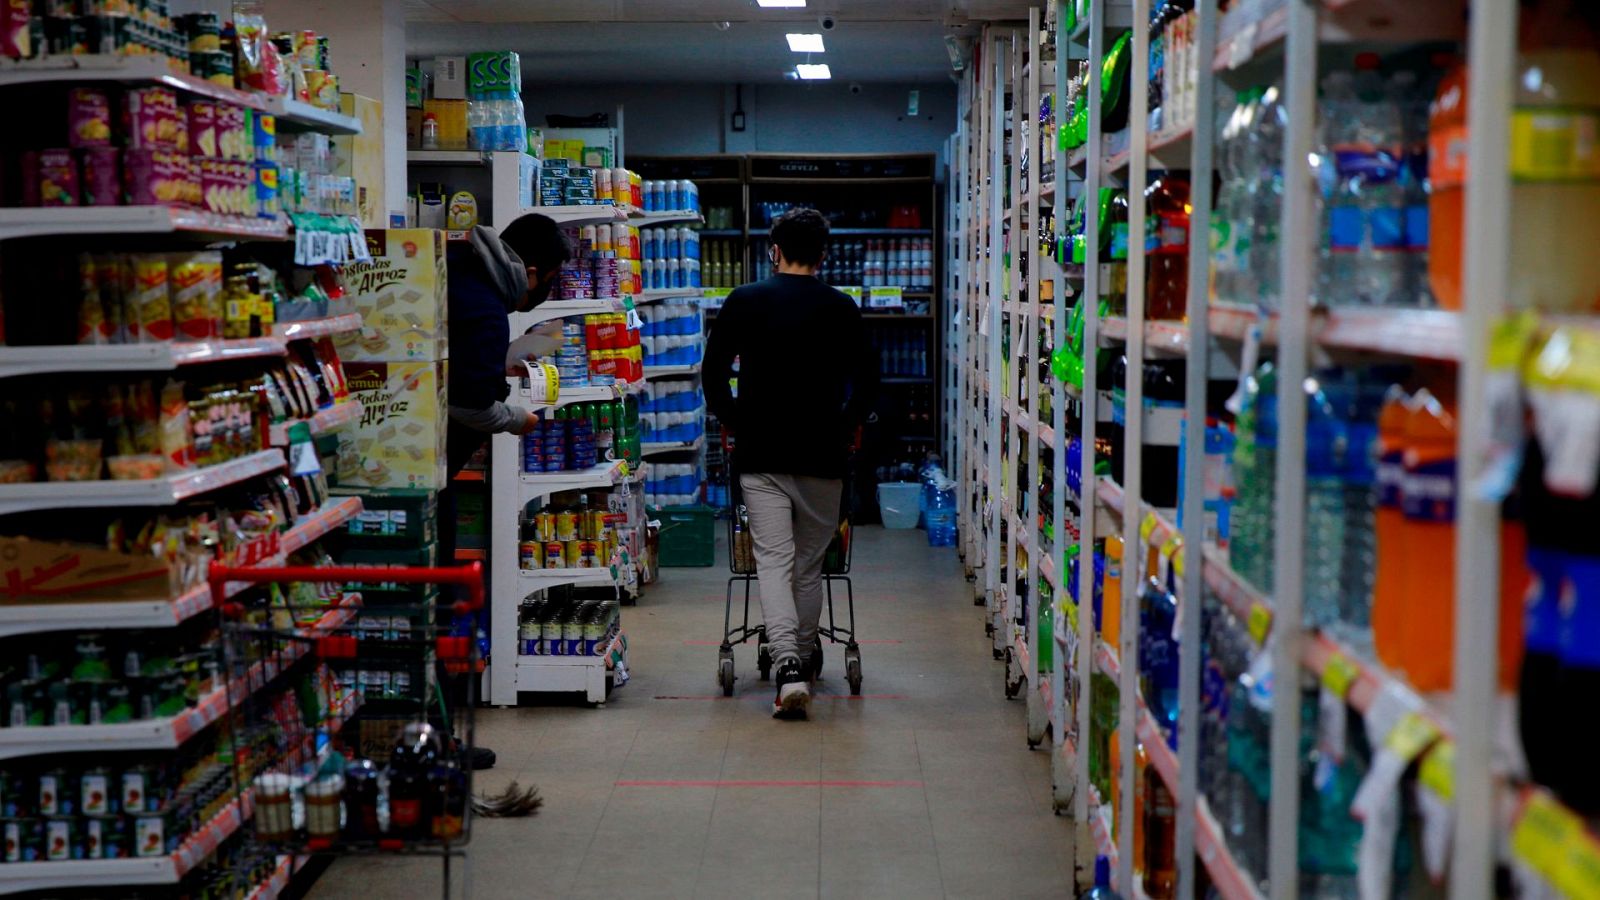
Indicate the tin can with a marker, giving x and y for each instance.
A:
(572, 635)
(62, 840)
(529, 634)
(569, 554)
(555, 556)
(553, 644)
(544, 526)
(136, 786)
(56, 794)
(94, 792)
(529, 554)
(566, 526)
(588, 555)
(593, 631)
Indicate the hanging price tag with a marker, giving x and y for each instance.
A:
(1542, 834)
(1438, 769)
(1339, 674)
(1259, 623)
(1147, 526)
(1410, 736)
(1332, 722)
(1177, 560)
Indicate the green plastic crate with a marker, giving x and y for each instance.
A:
(688, 536)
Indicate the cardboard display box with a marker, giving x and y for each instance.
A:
(360, 157)
(400, 440)
(402, 294)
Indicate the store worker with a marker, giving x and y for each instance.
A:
(807, 379)
(490, 276)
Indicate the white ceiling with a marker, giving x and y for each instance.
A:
(726, 41)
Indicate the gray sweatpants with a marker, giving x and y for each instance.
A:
(792, 520)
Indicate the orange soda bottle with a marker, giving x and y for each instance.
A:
(1447, 178)
(1389, 588)
(1428, 544)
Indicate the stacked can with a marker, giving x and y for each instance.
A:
(553, 627)
(671, 195)
(567, 540)
(572, 359)
(577, 280)
(607, 275)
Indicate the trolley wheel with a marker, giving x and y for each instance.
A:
(764, 662)
(852, 671)
(988, 628)
(725, 676)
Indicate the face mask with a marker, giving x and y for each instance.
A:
(539, 291)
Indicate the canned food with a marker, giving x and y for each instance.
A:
(24, 840)
(553, 645)
(151, 838)
(555, 556)
(593, 630)
(56, 794)
(588, 555)
(62, 840)
(136, 782)
(529, 554)
(544, 526)
(94, 792)
(566, 526)
(572, 636)
(528, 633)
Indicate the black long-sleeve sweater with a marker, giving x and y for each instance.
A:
(807, 375)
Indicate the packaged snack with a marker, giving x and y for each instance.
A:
(233, 139)
(155, 177)
(196, 306)
(149, 302)
(203, 128)
(150, 118)
(102, 176)
(15, 41)
(264, 137)
(92, 325)
(72, 460)
(88, 118)
(50, 178)
(175, 442)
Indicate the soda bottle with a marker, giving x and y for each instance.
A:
(1447, 180)
(1166, 247)
(1102, 882)
(1428, 501)
(1158, 656)
(1389, 587)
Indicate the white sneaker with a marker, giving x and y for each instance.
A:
(794, 695)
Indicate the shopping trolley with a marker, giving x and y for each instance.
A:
(742, 565)
(304, 657)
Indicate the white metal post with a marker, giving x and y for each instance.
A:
(1492, 50)
(993, 300)
(1091, 353)
(1015, 329)
(1023, 243)
(1298, 232)
(1132, 474)
(1196, 372)
(1058, 396)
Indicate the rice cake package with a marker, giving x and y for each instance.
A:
(399, 441)
(401, 294)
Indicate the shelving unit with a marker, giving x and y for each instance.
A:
(1001, 442)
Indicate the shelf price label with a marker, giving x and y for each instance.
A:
(1438, 770)
(1339, 674)
(1259, 622)
(1148, 526)
(884, 297)
(1552, 840)
(853, 292)
(1410, 736)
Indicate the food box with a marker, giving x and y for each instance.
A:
(360, 157)
(401, 294)
(399, 441)
(391, 517)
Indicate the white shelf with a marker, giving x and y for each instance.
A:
(163, 491)
(569, 674)
(297, 115)
(17, 222)
(1434, 334)
(592, 394)
(597, 214)
(326, 421)
(155, 357)
(447, 158)
(316, 328)
(561, 309)
(650, 449)
(664, 217)
(668, 371)
(543, 579)
(539, 484)
(32, 618)
(644, 297)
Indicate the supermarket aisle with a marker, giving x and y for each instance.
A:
(926, 786)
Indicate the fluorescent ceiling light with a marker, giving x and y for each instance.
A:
(805, 43)
(815, 72)
(781, 4)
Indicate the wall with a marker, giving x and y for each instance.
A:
(691, 119)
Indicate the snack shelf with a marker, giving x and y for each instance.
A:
(664, 217)
(1411, 333)
(153, 357)
(326, 421)
(560, 309)
(1047, 435)
(1554, 842)
(1105, 659)
(543, 579)
(650, 449)
(668, 371)
(297, 115)
(170, 732)
(604, 474)
(593, 214)
(18, 222)
(93, 873)
(316, 328)
(163, 491)
(39, 617)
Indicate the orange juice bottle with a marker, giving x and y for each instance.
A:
(1447, 178)
(1389, 590)
(1428, 541)
(1111, 597)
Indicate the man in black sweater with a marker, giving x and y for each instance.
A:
(807, 378)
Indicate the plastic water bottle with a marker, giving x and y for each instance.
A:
(478, 134)
(1366, 231)
(1325, 507)
(1365, 396)
(1269, 119)
(1230, 229)
(1409, 100)
(1255, 473)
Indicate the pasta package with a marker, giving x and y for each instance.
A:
(149, 303)
(195, 283)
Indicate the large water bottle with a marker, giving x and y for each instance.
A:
(1365, 395)
(1366, 214)
(1412, 104)
(1270, 119)
(1342, 228)
(1230, 229)
(1325, 507)
(478, 135)
(1255, 467)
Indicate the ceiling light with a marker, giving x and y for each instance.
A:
(805, 43)
(810, 72)
(781, 4)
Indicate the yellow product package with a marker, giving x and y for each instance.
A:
(399, 441)
(401, 293)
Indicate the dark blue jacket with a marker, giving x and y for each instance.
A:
(480, 334)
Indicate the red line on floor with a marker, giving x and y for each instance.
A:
(764, 697)
(717, 782)
(693, 643)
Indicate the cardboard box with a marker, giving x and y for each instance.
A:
(360, 156)
(414, 129)
(46, 571)
(450, 78)
(452, 118)
(496, 72)
(402, 295)
(400, 440)
(391, 517)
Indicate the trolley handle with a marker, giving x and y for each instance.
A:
(469, 576)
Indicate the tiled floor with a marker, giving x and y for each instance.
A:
(924, 787)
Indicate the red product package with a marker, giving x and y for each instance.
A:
(203, 128)
(88, 118)
(150, 118)
(212, 185)
(14, 39)
(57, 178)
(153, 178)
(233, 140)
(102, 176)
